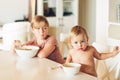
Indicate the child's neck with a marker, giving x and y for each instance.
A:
(40, 41)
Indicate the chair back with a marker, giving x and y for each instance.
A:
(65, 44)
(15, 31)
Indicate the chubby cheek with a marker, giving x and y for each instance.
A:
(74, 46)
(46, 33)
(85, 46)
(35, 33)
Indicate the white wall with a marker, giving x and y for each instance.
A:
(11, 10)
(102, 18)
(95, 17)
(87, 17)
(91, 19)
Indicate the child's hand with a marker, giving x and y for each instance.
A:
(17, 43)
(115, 50)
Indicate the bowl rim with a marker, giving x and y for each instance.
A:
(35, 48)
(72, 64)
(23, 53)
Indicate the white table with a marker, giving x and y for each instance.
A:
(13, 67)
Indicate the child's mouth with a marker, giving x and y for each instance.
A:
(80, 48)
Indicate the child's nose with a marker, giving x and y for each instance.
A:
(41, 30)
(79, 44)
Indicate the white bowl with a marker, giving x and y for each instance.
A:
(71, 68)
(27, 51)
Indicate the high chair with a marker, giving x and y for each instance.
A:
(65, 44)
(115, 60)
(101, 66)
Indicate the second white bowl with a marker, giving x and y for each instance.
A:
(71, 68)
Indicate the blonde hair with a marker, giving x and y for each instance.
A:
(76, 30)
(38, 19)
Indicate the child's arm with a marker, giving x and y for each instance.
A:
(16, 43)
(107, 55)
(69, 58)
(46, 51)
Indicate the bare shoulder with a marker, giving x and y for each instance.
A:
(94, 50)
(52, 40)
(91, 47)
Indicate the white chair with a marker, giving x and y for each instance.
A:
(15, 31)
(115, 63)
(116, 67)
(65, 44)
(113, 39)
(101, 66)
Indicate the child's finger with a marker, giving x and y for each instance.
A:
(17, 41)
(116, 47)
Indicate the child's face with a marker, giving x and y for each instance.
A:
(79, 42)
(40, 30)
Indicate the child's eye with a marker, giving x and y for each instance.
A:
(45, 28)
(83, 41)
(75, 42)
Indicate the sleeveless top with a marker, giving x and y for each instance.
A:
(55, 55)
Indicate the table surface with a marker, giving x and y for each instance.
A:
(12, 67)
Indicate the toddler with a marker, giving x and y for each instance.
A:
(83, 53)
